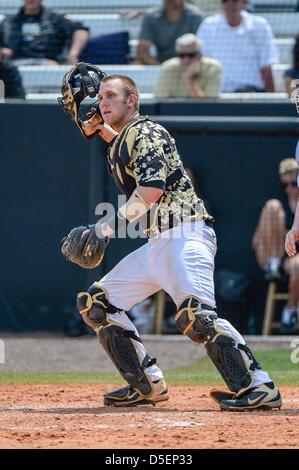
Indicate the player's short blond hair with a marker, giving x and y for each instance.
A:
(288, 165)
(128, 85)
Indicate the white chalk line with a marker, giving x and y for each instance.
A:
(158, 423)
(48, 406)
(64, 410)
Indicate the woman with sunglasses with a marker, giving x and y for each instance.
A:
(268, 241)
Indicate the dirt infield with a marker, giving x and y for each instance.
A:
(73, 416)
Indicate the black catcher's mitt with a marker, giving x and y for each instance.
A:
(88, 250)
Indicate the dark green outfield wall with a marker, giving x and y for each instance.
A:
(51, 180)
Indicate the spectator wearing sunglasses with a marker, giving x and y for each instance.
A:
(189, 74)
(268, 241)
(243, 43)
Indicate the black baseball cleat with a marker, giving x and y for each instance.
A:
(263, 397)
(129, 396)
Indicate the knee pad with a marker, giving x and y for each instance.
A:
(93, 305)
(193, 322)
(118, 342)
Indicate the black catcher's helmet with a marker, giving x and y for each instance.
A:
(81, 84)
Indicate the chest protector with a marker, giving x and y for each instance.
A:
(119, 156)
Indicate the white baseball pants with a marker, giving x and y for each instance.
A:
(179, 261)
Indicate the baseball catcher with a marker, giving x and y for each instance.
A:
(179, 258)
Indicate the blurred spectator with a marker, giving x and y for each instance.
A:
(210, 7)
(293, 73)
(268, 240)
(143, 315)
(162, 26)
(37, 35)
(243, 44)
(189, 75)
(12, 79)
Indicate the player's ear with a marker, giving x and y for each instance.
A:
(132, 100)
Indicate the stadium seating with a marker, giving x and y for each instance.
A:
(105, 23)
(110, 49)
(83, 6)
(284, 25)
(285, 49)
(274, 5)
(38, 79)
(278, 75)
(104, 17)
(97, 6)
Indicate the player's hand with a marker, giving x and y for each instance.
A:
(106, 132)
(91, 125)
(96, 124)
(290, 242)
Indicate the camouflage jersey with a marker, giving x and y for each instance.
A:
(145, 154)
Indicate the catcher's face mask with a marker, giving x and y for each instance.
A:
(79, 90)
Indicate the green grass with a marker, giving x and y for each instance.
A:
(201, 372)
(277, 363)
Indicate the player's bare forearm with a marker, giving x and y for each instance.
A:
(136, 207)
(150, 194)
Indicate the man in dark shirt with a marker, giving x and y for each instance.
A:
(37, 35)
(162, 26)
(11, 78)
